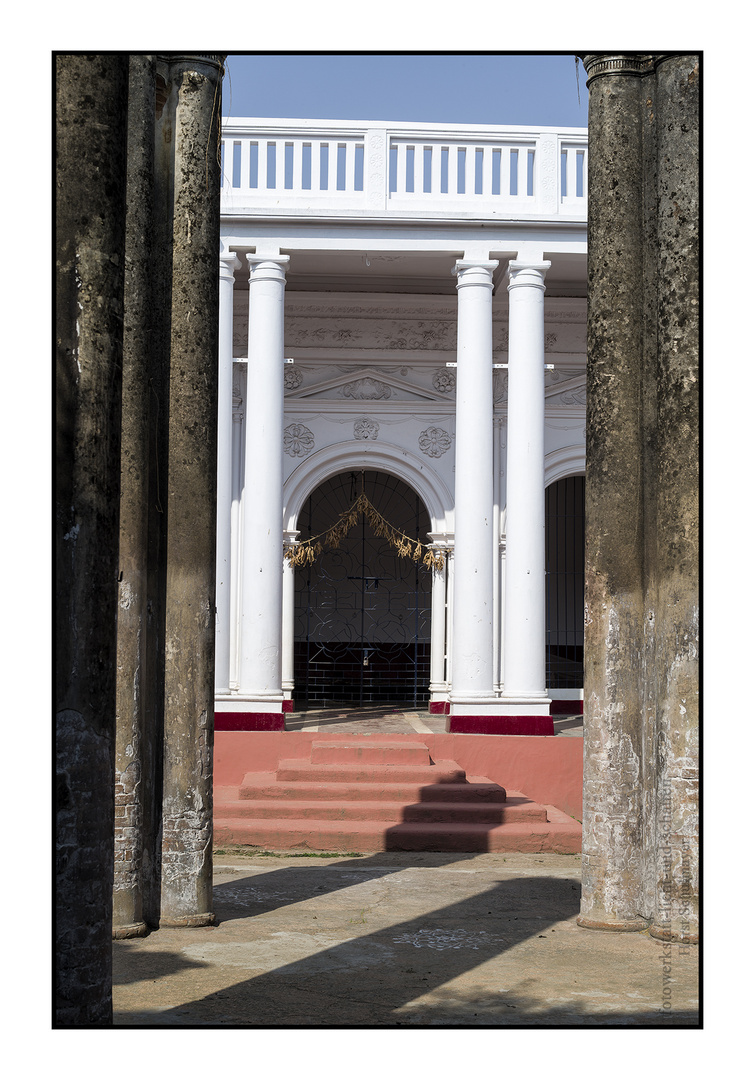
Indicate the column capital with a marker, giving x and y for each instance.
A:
(532, 274)
(229, 261)
(290, 538)
(474, 272)
(268, 267)
(636, 64)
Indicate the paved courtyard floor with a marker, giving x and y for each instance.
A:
(399, 939)
(380, 720)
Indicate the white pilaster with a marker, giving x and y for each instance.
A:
(524, 617)
(289, 599)
(260, 673)
(438, 685)
(228, 263)
(473, 678)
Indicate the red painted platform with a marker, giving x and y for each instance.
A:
(372, 793)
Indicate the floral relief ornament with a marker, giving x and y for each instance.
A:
(444, 381)
(366, 429)
(298, 440)
(292, 378)
(434, 442)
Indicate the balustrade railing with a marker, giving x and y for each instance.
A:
(329, 168)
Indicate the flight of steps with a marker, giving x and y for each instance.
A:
(366, 794)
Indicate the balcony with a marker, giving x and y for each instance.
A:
(327, 169)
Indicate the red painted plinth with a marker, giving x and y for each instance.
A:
(437, 707)
(249, 721)
(561, 707)
(288, 705)
(501, 725)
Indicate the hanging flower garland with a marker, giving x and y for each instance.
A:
(308, 550)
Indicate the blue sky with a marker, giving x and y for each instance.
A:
(452, 88)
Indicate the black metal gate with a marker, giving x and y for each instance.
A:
(362, 616)
(565, 582)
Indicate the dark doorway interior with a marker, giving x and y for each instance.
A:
(565, 583)
(362, 616)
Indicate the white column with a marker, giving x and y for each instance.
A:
(260, 673)
(524, 617)
(289, 599)
(228, 263)
(438, 686)
(497, 516)
(473, 516)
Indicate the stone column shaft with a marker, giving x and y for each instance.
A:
(135, 757)
(524, 617)
(91, 125)
(473, 515)
(190, 501)
(262, 575)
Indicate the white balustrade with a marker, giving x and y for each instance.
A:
(305, 168)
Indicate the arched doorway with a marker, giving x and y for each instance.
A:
(362, 612)
(565, 583)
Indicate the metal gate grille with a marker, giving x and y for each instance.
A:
(565, 582)
(362, 629)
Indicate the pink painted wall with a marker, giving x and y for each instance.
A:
(546, 769)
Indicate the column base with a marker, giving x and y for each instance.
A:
(439, 707)
(288, 705)
(138, 929)
(249, 721)
(250, 713)
(498, 724)
(618, 926)
(663, 934)
(187, 922)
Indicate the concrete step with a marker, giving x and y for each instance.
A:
(563, 836)
(366, 750)
(267, 785)
(358, 772)
(516, 808)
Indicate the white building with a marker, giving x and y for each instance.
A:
(403, 316)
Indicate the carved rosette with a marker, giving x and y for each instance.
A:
(434, 442)
(366, 428)
(444, 381)
(292, 377)
(298, 440)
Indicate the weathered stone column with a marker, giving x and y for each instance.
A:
(91, 99)
(228, 263)
(473, 514)
(524, 616)
(190, 502)
(133, 775)
(676, 600)
(260, 690)
(640, 824)
(612, 836)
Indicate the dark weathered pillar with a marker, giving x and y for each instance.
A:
(192, 110)
(639, 840)
(612, 842)
(134, 752)
(676, 601)
(90, 211)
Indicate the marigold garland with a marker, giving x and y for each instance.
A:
(307, 551)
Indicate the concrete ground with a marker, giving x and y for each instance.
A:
(378, 720)
(400, 939)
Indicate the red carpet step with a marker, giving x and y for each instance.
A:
(366, 795)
